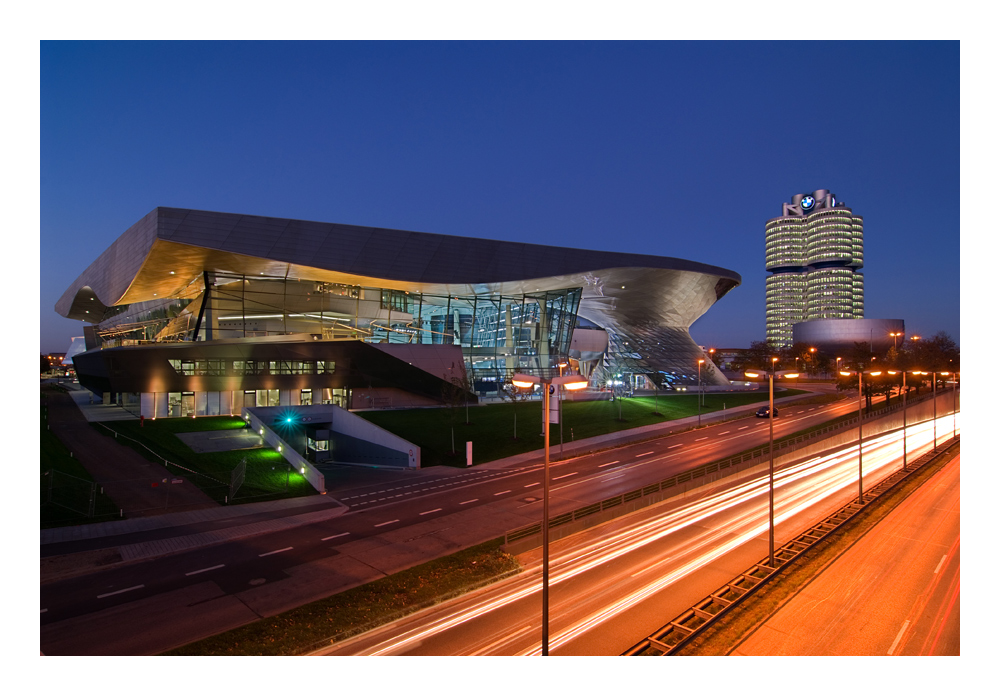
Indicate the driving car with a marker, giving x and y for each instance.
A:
(763, 411)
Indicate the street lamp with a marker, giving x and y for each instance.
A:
(699, 392)
(836, 366)
(528, 382)
(896, 372)
(894, 334)
(861, 399)
(787, 374)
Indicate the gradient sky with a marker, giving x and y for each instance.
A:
(677, 149)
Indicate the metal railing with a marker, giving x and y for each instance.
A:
(747, 459)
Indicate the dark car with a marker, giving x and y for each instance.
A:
(763, 410)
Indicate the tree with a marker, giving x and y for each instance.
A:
(515, 395)
(756, 357)
(45, 364)
(454, 393)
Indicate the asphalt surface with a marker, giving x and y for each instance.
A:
(894, 592)
(391, 523)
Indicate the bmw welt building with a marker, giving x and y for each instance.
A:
(201, 313)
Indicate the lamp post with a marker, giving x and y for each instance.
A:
(528, 382)
(787, 374)
(699, 392)
(893, 372)
(861, 373)
(836, 367)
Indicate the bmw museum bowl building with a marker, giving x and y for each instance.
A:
(201, 313)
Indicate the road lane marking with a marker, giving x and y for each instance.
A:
(269, 553)
(334, 536)
(382, 524)
(469, 501)
(501, 492)
(940, 563)
(536, 483)
(127, 589)
(898, 636)
(608, 464)
(205, 570)
(701, 438)
(565, 475)
(43, 611)
(744, 427)
(430, 511)
(725, 433)
(505, 639)
(644, 454)
(672, 446)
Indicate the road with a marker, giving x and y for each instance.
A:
(202, 592)
(617, 583)
(895, 592)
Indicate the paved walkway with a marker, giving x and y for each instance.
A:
(126, 476)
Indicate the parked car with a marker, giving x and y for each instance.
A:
(763, 411)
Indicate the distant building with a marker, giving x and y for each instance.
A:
(836, 337)
(814, 253)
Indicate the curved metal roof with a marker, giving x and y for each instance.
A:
(165, 253)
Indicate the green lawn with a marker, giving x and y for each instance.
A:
(268, 475)
(491, 427)
(314, 625)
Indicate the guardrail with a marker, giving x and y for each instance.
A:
(689, 624)
(521, 539)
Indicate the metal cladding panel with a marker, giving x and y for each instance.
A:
(833, 335)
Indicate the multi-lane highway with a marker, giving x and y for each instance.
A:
(211, 589)
(620, 582)
(895, 592)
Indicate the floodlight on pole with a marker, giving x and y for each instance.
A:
(787, 374)
(572, 382)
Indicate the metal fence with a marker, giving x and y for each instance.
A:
(76, 496)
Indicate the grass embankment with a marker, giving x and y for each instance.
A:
(64, 500)
(266, 474)
(491, 427)
(731, 629)
(342, 615)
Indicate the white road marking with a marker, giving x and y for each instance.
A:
(287, 548)
(505, 639)
(501, 492)
(127, 589)
(536, 483)
(205, 570)
(898, 636)
(672, 446)
(430, 511)
(701, 438)
(725, 433)
(469, 501)
(565, 475)
(382, 524)
(744, 427)
(334, 536)
(940, 563)
(608, 464)
(644, 454)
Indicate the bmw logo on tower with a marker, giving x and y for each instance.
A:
(808, 202)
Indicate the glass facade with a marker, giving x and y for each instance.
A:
(813, 253)
(498, 334)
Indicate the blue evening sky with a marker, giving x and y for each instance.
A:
(671, 148)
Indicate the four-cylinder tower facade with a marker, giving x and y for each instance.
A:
(814, 253)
